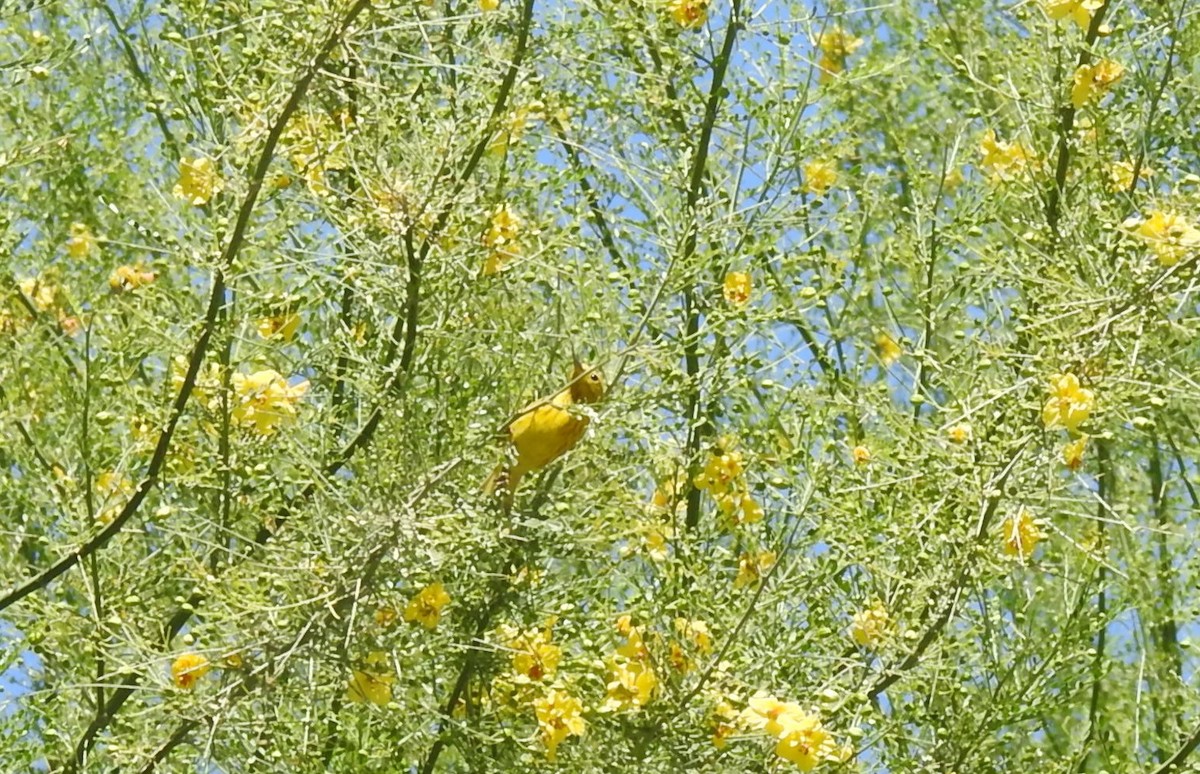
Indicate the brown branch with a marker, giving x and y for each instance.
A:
(216, 300)
(691, 341)
(1066, 124)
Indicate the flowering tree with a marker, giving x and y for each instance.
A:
(878, 452)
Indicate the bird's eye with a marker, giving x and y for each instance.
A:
(595, 377)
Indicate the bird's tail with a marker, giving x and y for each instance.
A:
(498, 479)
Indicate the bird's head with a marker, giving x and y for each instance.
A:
(587, 384)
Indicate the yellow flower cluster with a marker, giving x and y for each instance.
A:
(514, 127)
(1168, 234)
(722, 478)
(535, 657)
(1005, 160)
(1021, 534)
(373, 683)
(426, 607)
(114, 490)
(282, 325)
(752, 567)
(1092, 81)
(959, 433)
(82, 241)
(801, 737)
(887, 349)
(316, 146)
(187, 670)
(41, 292)
(45, 295)
(502, 239)
(1069, 404)
(689, 14)
(1072, 453)
(835, 46)
(695, 636)
(559, 715)
(819, 176)
(1120, 176)
(630, 681)
(736, 288)
(199, 180)
(871, 626)
(264, 400)
(1079, 11)
(128, 278)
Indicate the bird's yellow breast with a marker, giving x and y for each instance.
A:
(545, 433)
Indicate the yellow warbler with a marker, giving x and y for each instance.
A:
(547, 429)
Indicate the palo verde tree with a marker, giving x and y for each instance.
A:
(636, 385)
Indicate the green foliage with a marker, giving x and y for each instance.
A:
(278, 274)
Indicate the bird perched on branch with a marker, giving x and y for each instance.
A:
(546, 429)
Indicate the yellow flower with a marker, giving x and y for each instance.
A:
(887, 349)
(110, 483)
(721, 733)
(695, 631)
(752, 567)
(835, 46)
(188, 669)
(1093, 81)
(126, 278)
(1072, 453)
(559, 715)
(630, 684)
(871, 625)
(737, 288)
(208, 379)
(283, 325)
(1069, 405)
(371, 685)
(41, 292)
(960, 433)
(1079, 11)
(1021, 535)
(489, 5)
(752, 512)
(514, 128)
(534, 656)
(426, 607)
(861, 454)
(69, 325)
(766, 713)
(386, 616)
(81, 242)
(819, 176)
(806, 744)
(802, 739)
(722, 468)
(1005, 160)
(689, 14)
(501, 239)
(265, 400)
(1168, 234)
(1120, 176)
(657, 537)
(199, 180)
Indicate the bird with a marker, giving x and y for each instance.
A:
(546, 429)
